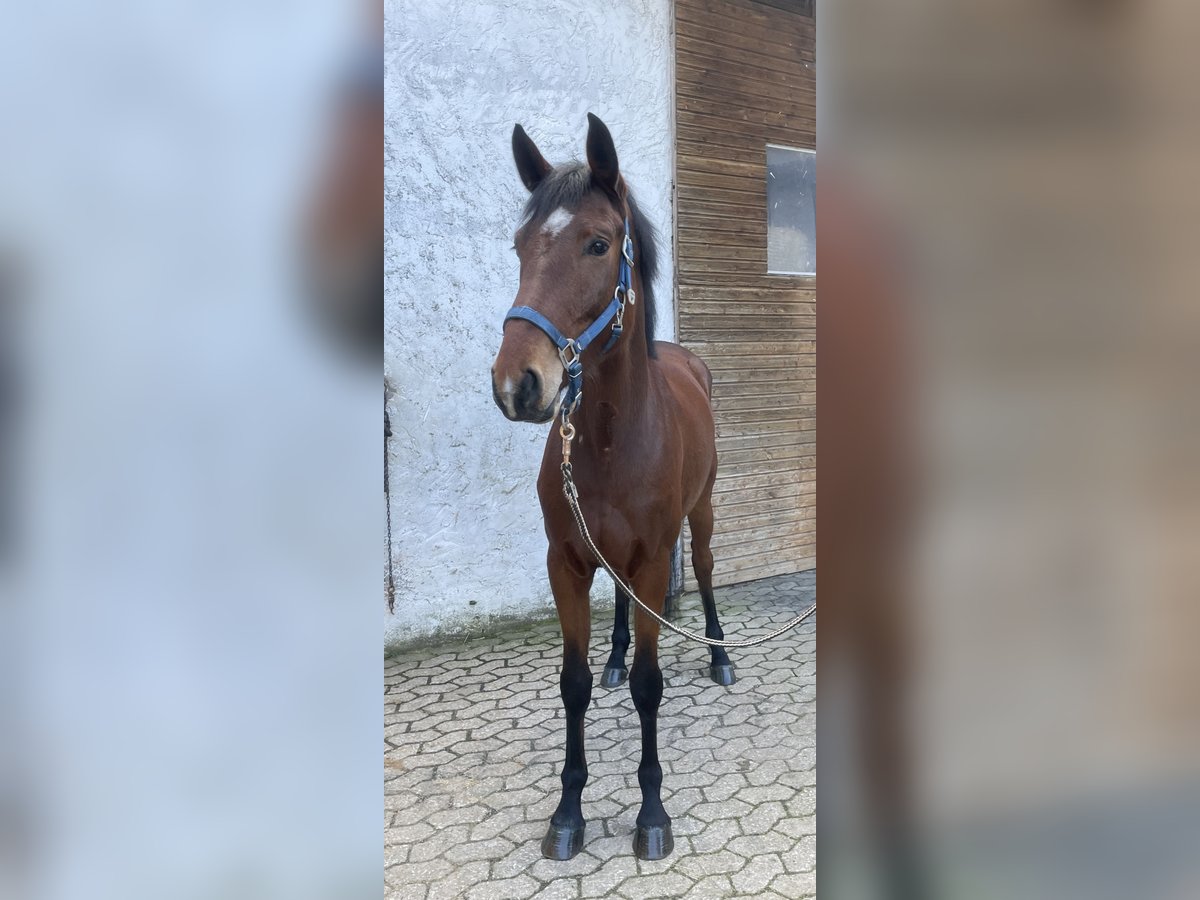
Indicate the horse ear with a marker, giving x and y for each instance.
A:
(602, 157)
(531, 165)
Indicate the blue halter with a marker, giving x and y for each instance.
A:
(570, 350)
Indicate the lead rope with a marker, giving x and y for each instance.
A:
(567, 430)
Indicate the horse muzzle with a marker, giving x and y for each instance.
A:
(524, 399)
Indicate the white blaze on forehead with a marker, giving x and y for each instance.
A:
(557, 221)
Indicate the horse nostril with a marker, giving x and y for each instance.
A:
(529, 391)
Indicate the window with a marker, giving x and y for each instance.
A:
(791, 211)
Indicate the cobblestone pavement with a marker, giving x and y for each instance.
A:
(473, 735)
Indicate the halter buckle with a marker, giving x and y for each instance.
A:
(627, 249)
(569, 354)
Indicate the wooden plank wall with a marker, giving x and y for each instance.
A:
(745, 76)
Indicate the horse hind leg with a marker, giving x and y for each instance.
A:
(701, 521)
(615, 671)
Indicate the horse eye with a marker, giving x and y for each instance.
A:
(598, 248)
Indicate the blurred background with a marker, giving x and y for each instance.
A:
(190, 497)
(1009, 688)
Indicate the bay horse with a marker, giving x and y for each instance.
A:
(645, 452)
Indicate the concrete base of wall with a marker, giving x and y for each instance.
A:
(486, 624)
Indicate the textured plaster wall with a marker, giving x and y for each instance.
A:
(468, 544)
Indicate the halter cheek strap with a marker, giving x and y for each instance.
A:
(570, 350)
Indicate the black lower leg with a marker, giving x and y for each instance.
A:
(615, 671)
(652, 839)
(565, 836)
(721, 668)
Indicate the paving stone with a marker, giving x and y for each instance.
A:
(460, 816)
(802, 856)
(496, 848)
(803, 803)
(616, 844)
(720, 810)
(724, 787)
(800, 885)
(714, 887)
(562, 889)
(654, 887)
(473, 743)
(547, 870)
(521, 859)
(763, 817)
(797, 827)
(497, 824)
(503, 888)
(757, 874)
(421, 873)
(394, 853)
(407, 834)
(395, 887)
(755, 795)
(605, 880)
(455, 885)
(434, 848)
(749, 845)
(716, 836)
(700, 865)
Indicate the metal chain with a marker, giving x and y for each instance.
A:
(567, 430)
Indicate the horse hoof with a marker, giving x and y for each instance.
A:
(612, 677)
(722, 675)
(562, 841)
(653, 841)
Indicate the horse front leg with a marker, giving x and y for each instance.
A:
(653, 838)
(614, 670)
(564, 837)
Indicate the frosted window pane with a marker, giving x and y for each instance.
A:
(791, 211)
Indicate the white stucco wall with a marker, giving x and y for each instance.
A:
(468, 544)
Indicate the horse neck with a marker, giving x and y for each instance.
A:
(619, 379)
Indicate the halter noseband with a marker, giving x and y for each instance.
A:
(570, 350)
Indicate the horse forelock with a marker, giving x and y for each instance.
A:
(564, 189)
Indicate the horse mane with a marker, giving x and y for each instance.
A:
(566, 187)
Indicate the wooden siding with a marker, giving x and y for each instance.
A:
(745, 77)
